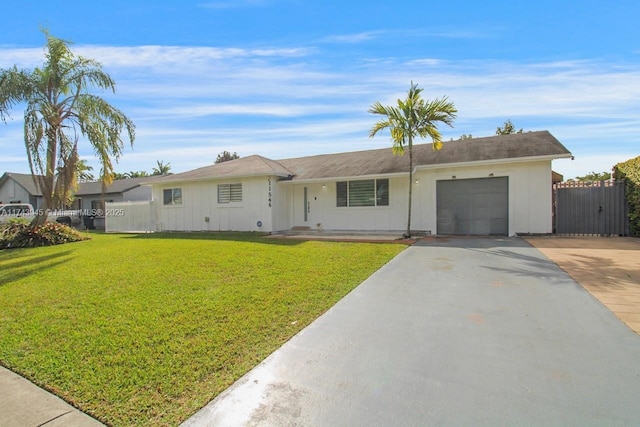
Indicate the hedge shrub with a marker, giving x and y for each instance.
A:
(20, 234)
(629, 171)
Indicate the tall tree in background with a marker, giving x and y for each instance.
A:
(83, 171)
(135, 174)
(413, 117)
(59, 111)
(225, 156)
(594, 176)
(507, 128)
(162, 169)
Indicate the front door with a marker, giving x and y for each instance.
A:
(302, 206)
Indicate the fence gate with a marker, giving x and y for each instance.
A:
(591, 208)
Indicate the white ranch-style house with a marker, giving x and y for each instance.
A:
(500, 185)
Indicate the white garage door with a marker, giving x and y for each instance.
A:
(473, 206)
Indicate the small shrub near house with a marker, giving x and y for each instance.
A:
(629, 171)
(18, 233)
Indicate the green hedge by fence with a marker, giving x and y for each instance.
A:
(630, 172)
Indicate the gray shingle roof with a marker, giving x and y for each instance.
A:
(382, 161)
(117, 186)
(527, 145)
(25, 180)
(244, 167)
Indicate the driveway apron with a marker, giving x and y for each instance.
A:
(453, 331)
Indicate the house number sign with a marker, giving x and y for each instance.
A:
(269, 194)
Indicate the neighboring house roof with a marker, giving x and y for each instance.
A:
(556, 177)
(84, 188)
(24, 180)
(117, 186)
(521, 146)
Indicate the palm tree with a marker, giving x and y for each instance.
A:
(136, 174)
(59, 111)
(413, 117)
(162, 169)
(507, 129)
(84, 171)
(225, 156)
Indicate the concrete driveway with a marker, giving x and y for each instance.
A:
(609, 268)
(460, 331)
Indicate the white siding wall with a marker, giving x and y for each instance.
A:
(200, 201)
(282, 205)
(529, 194)
(529, 201)
(323, 210)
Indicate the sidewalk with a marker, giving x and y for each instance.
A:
(24, 405)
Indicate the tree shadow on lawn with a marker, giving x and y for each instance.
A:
(24, 264)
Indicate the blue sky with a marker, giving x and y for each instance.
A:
(289, 78)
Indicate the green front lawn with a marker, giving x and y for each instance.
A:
(146, 329)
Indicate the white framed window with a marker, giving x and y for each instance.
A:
(172, 196)
(229, 193)
(365, 192)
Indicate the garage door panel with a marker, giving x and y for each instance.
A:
(480, 226)
(459, 227)
(463, 213)
(473, 206)
(480, 201)
(483, 212)
(498, 225)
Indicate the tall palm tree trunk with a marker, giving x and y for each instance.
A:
(407, 234)
(47, 183)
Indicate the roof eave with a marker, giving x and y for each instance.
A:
(494, 161)
(345, 178)
(215, 178)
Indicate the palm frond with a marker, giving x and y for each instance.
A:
(16, 86)
(59, 112)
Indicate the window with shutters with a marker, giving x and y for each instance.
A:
(229, 193)
(359, 193)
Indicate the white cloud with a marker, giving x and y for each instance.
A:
(147, 56)
(353, 38)
(191, 103)
(366, 36)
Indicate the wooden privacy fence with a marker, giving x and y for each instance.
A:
(591, 208)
